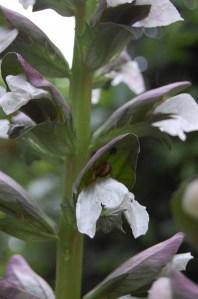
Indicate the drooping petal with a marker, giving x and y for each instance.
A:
(131, 75)
(4, 127)
(161, 288)
(113, 3)
(136, 216)
(162, 13)
(7, 36)
(185, 116)
(88, 210)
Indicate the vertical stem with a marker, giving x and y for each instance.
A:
(70, 243)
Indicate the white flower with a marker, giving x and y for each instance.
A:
(7, 36)
(185, 116)
(161, 288)
(21, 93)
(27, 3)
(181, 260)
(162, 12)
(131, 75)
(114, 197)
(190, 199)
(4, 127)
(114, 3)
(178, 263)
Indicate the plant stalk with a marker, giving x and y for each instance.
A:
(70, 243)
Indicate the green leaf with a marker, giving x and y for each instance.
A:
(118, 158)
(185, 222)
(110, 31)
(65, 8)
(137, 274)
(34, 45)
(41, 137)
(19, 216)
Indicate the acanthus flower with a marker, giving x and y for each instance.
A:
(108, 196)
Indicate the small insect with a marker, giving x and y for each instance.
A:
(102, 170)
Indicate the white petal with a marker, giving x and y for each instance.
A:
(111, 192)
(131, 75)
(88, 210)
(21, 93)
(20, 84)
(114, 3)
(162, 13)
(190, 199)
(136, 216)
(107, 192)
(180, 261)
(27, 3)
(161, 289)
(185, 111)
(4, 127)
(7, 36)
(13, 101)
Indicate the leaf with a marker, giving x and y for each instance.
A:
(19, 216)
(40, 139)
(187, 223)
(65, 8)
(117, 158)
(137, 274)
(139, 108)
(109, 32)
(20, 281)
(34, 45)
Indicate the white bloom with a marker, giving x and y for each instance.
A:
(131, 75)
(21, 93)
(27, 3)
(181, 260)
(114, 3)
(162, 13)
(185, 116)
(190, 199)
(7, 36)
(4, 127)
(178, 263)
(161, 288)
(114, 197)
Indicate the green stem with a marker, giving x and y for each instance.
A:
(70, 242)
